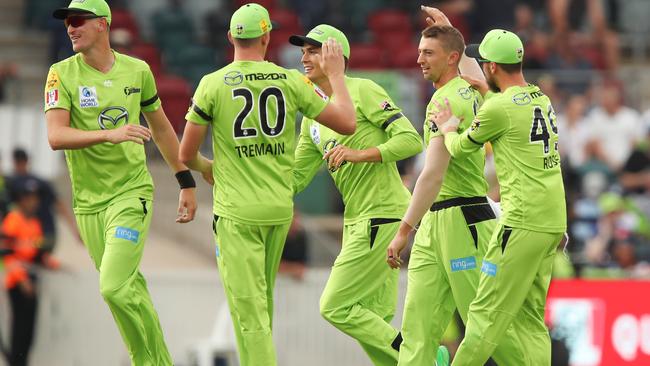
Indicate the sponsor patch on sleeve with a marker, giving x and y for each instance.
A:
(321, 93)
(52, 97)
(386, 106)
(475, 125)
(52, 80)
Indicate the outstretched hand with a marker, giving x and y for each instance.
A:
(331, 58)
(444, 118)
(435, 16)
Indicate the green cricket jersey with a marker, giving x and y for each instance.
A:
(252, 108)
(464, 176)
(104, 172)
(369, 190)
(521, 125)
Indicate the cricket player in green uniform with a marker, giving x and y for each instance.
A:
(516, 271)
(364, 171)
(93, 102)
(251, 105)
(444, 266)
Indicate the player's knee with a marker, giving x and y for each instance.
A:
(110, 292)
(334, 314)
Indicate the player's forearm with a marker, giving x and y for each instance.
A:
(306, 163)
(400, 146)
(343, 104)
(425, 192)
(167, 143)
(69, 138)
(459, 146)
(469, 67)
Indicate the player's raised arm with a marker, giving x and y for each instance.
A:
(339, 113)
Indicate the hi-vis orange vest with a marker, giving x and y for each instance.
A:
(25, 236)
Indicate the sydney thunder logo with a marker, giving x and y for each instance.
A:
(110, 117)
(329, 145)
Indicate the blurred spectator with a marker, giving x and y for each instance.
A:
(535, 41)
(568, 55)
(22, 239)
(48, 200)
(567, 17)
(635, 175)
(4, 194)
(217, 24)
(623, 234)
(615, 127)
(7, 71)
(294, 256)
(574, 131)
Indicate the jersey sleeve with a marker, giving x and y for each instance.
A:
(490, 123)
(149, 101)
(200, 111)
(56, 96)
(311, 99)
(308, 159)
(378, 108)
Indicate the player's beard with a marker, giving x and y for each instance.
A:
(491, 83)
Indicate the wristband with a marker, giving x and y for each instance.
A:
(185, 179)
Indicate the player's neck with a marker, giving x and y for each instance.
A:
(248, 54)
(100, 58)
(506, 81)
(444, 79)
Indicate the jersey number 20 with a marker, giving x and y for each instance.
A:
(242, 132)
(539, 122)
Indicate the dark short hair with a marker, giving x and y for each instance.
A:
(449, 37)
(511, 68)
(20, 155)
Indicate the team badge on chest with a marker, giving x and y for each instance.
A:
(88, 97)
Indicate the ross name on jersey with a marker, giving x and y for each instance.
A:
(269, 76)
(253, 150)
(552, 161)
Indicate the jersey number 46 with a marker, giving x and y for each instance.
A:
(539, 123)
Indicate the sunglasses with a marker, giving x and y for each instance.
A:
(78, 20)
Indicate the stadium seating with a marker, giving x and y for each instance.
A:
(175, 94)
(123, 19)
(389, 21)
(286, 20)
(367, 57)
(148, 53)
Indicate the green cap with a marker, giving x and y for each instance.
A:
(320, 34)
(498, 46)
(250, 21)
(96, 7)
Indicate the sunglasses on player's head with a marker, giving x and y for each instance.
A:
(79, 20)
